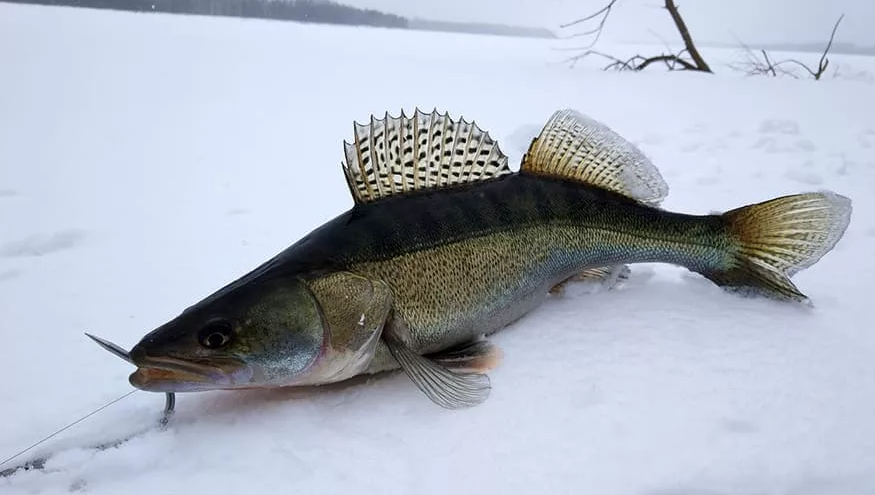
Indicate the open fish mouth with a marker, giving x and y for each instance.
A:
(168, 374)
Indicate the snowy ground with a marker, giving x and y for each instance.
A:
(147, 160)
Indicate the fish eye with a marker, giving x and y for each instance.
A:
(215, 334)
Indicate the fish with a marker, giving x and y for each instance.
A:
(445, 244)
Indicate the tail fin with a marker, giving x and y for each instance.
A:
(773, 240)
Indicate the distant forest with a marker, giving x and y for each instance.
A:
(317, 11)
(479, 28)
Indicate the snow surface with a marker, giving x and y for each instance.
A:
(146, 160)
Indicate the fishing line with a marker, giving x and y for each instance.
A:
(116, 350)
(74, 423)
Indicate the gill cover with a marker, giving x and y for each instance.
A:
(281, 333)
(354, 311)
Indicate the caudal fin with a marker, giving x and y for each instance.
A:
(773, 240)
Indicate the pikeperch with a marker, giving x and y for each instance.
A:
(445, 245)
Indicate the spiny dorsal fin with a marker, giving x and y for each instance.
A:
(573, 146)
(395, 155)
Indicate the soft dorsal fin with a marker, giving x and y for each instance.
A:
(395, 155)
(573, 146)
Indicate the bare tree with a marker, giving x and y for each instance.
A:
(762, 63)
(688, 58)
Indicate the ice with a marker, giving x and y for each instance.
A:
(146, 160)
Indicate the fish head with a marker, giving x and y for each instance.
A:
(256, 335)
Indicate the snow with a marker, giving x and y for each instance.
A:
(146, 160)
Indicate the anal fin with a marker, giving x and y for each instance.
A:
(607, 278)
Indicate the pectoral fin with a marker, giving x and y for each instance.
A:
(444, 387)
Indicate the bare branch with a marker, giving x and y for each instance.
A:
(588, 53)
(821, 65)
(606, 10)
(681, 26)
(770, 66)
(763, 64)
(602, 14)
(672, 61)
(637, 62)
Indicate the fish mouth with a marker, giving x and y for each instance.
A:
(171, 374)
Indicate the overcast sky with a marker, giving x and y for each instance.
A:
(708, 20)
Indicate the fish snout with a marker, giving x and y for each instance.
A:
(138, 354)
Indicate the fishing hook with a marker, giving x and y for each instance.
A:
(169, 397)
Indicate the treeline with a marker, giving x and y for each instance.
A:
(293, 10)
(479, 28)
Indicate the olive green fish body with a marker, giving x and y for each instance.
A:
(468, 261)
(445, 244)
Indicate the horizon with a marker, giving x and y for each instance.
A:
(640, 21)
